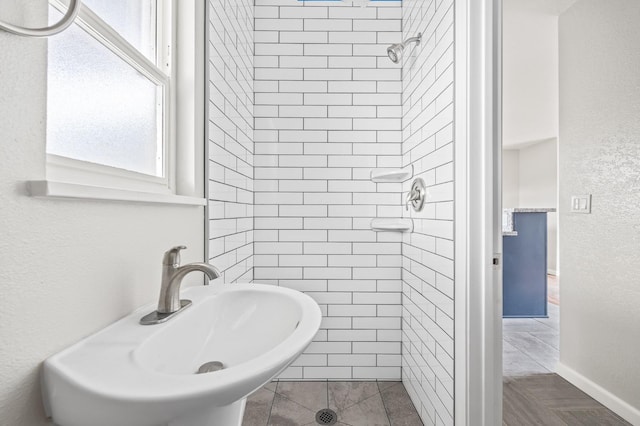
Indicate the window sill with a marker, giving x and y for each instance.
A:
(61, 190)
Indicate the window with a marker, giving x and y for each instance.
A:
(109, 96)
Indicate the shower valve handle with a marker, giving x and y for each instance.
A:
(416, 197)
(411, 197)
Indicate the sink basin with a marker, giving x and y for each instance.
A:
(137, 375)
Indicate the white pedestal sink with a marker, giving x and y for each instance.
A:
(135, 375)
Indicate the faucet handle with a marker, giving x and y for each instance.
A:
(172, 256)
(416, 197)
(411, 197)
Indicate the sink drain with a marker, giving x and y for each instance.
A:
(326, 417)
(210, 367)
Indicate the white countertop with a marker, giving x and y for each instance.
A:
(507, 217)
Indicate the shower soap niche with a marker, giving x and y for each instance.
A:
(392, 225)
(392, 175)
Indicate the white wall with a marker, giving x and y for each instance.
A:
(327, 108)
(510, 178)
(230, 131)
(68, 268)
(427, 273)
(530, 108)
(530, 71)
(600, 154)
(538, 187)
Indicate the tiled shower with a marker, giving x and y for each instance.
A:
(327, 111)
(303, 104)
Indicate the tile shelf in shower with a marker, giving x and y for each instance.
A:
(392, 225)
(392, 175)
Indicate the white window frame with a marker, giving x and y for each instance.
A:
(180, 76)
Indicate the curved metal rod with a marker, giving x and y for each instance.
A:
(416, 39)
(67, 19)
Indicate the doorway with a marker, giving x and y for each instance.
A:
(599, 203)
(530, 131)
(566, 149)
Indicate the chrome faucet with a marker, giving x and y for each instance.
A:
(416, 197)
(412, 196)
(172, 275)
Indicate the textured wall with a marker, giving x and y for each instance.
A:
(231, 151)
(327, 112)
(600, 154)
(427, 274)
(68, 268)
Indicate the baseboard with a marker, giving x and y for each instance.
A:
(600, 394)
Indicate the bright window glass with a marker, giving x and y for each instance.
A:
(101, 109)
(135, 20)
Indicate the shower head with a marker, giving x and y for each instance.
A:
(395, 50)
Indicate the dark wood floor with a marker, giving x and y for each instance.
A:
(549, 400)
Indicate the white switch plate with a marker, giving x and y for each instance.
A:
(581, 203)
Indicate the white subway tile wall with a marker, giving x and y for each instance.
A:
(427, 262)
(301, 110)
(230, 129)
(327, 111)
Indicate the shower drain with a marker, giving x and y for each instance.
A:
(326, 417)
(210, 367)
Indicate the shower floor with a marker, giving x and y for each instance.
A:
(356, 404)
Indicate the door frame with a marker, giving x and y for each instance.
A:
(478, 236)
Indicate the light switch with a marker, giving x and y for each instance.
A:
(581, 203)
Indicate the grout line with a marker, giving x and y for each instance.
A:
(328, 405)
(384, 405)
(272, 402)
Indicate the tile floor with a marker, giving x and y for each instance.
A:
(531, 345)
(356, 403)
